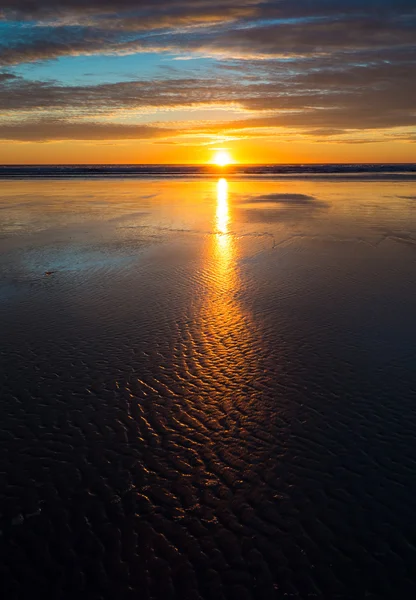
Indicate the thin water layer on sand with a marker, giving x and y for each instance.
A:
(207, 389)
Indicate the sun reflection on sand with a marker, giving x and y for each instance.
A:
(224, 240)
(222, 236)
(223, 216)
(225, 328)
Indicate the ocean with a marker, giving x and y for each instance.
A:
(208, 383)
(233, 170)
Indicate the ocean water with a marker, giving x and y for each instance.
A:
(377, 170)
(208, 385)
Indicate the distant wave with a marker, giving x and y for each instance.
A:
(175, 171)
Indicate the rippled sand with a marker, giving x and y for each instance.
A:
(208, 389)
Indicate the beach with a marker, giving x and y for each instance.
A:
(208, 387)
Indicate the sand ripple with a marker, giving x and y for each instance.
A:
(217, 418)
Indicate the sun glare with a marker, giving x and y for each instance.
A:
(222, 158)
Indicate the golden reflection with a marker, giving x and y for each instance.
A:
(222, 236)
(223, 216)
(229, 359)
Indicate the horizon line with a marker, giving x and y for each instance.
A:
(207, 165)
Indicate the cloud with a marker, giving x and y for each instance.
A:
(228, 28)
(325, 69)
(19, 94)
(269, 9)
(50, 130)
(338, 101)
(6, 77)
(130, 14)
(316, 37)
(56, 43)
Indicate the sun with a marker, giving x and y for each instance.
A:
(222, 158)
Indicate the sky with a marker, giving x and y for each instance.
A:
(158, 81)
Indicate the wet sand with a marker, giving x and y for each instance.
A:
(208, 389)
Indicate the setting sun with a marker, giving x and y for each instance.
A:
(222, 158)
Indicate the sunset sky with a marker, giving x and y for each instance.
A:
(157, 81)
